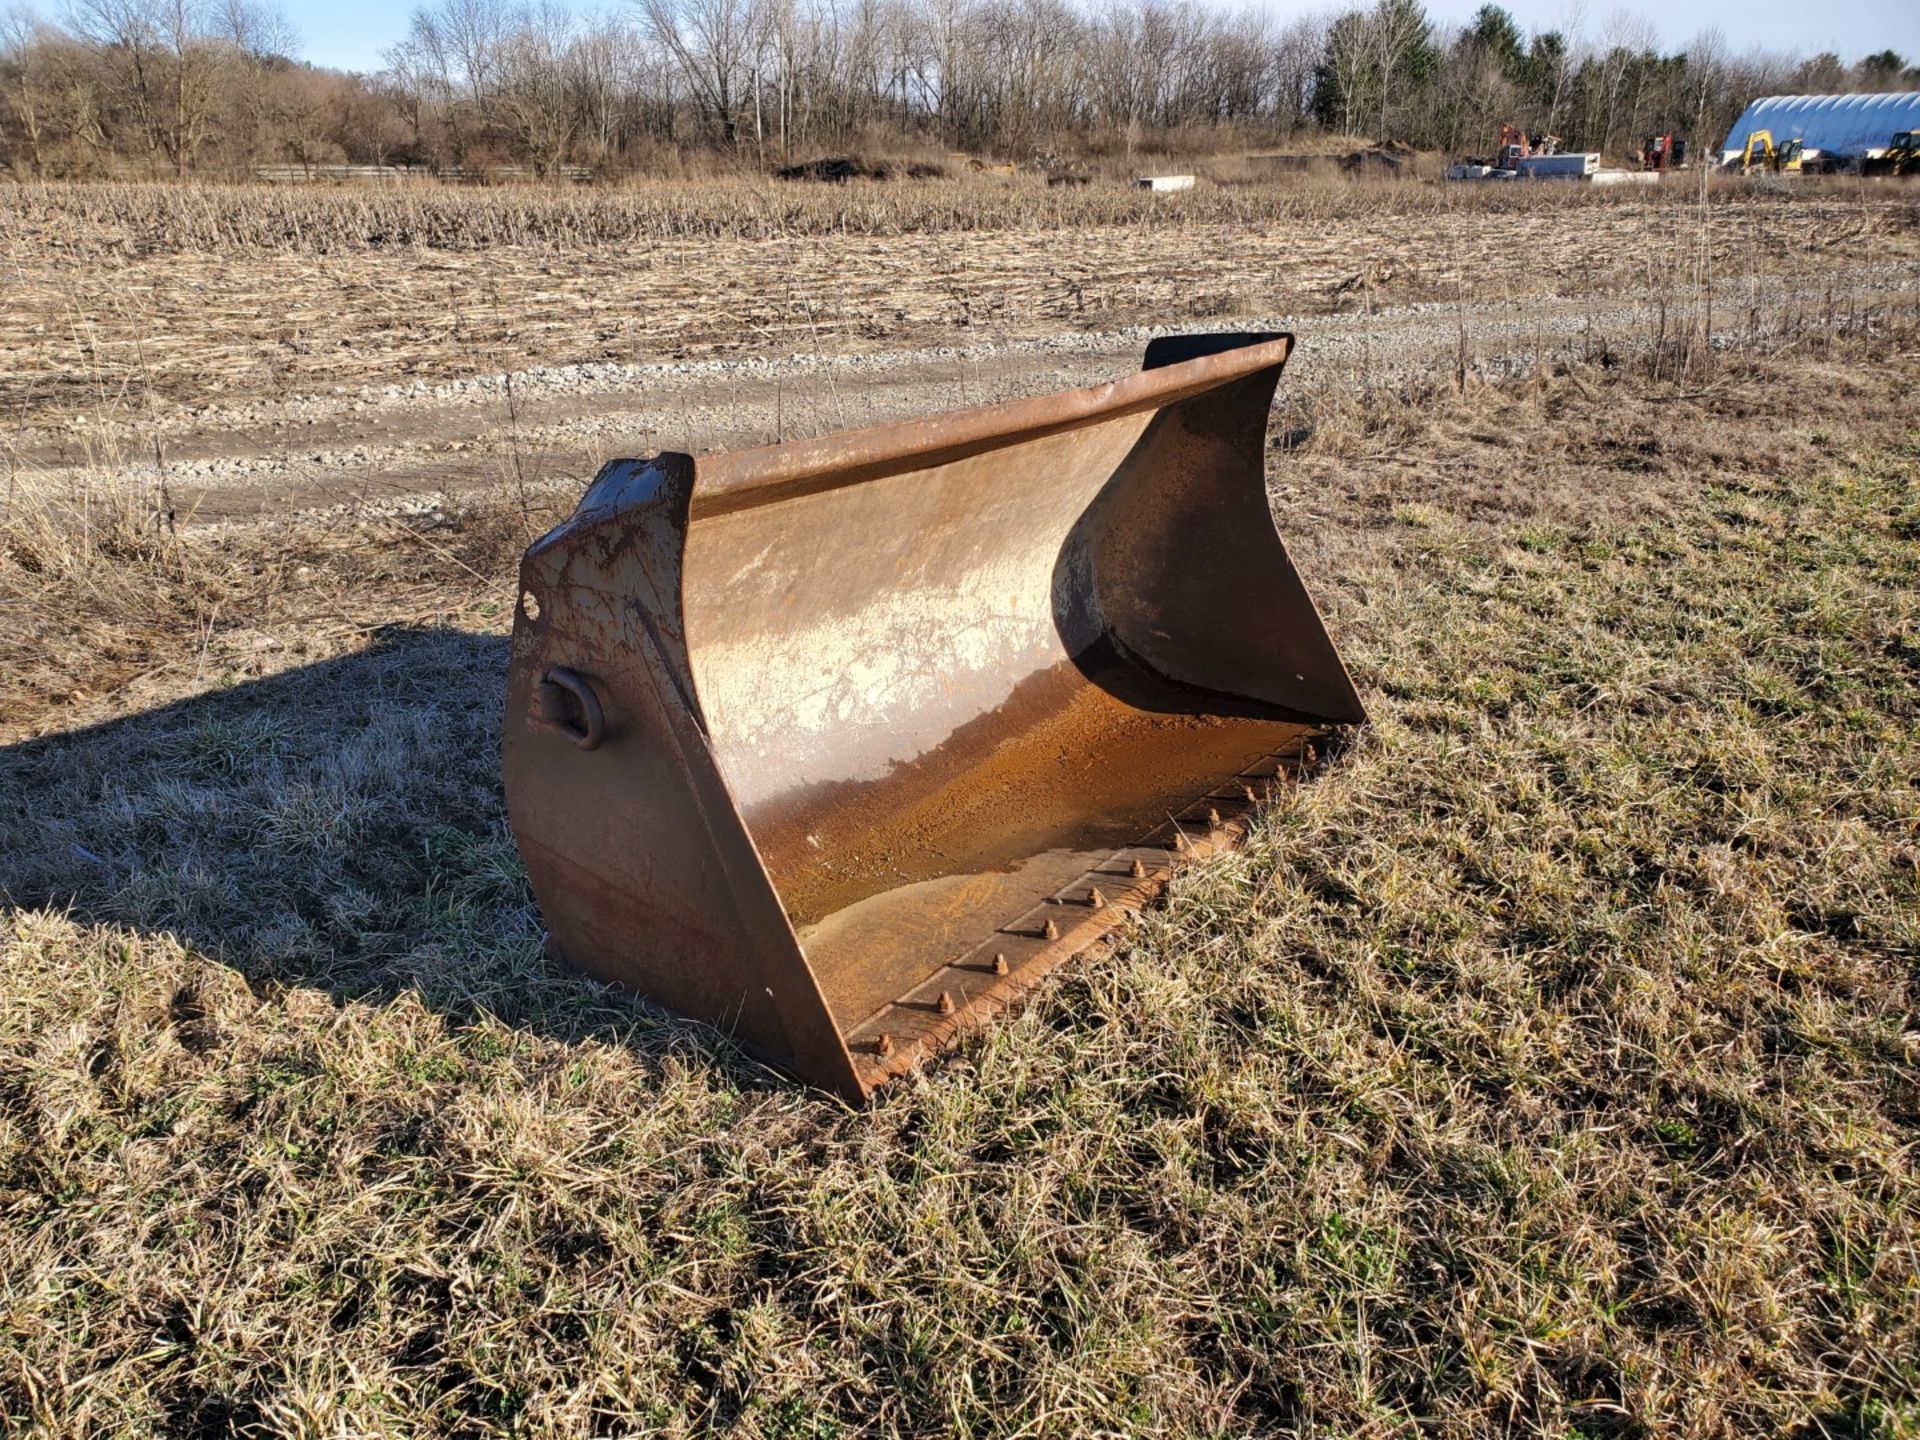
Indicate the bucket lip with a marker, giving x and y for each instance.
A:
(743, 479)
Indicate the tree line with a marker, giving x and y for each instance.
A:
(179, 87)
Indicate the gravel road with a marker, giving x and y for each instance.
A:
(392, 447)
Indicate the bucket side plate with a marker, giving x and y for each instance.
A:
(645, 875)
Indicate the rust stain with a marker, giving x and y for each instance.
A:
(1072, 761)
(1075, 765)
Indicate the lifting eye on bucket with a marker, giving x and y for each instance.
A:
(904, 717)
(564, 699)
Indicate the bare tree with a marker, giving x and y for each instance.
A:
(603, 68)
(1401, 36)
(169, 59)
(1628, 40)
(190, 84)
(1706, 75)
(451, 59)
(530, 97)
(27, 86)
(714, 43)
(1296, 54)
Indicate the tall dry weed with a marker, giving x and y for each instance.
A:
(126, 218)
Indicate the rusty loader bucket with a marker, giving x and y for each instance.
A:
(838, 745)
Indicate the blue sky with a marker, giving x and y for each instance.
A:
(352, 33)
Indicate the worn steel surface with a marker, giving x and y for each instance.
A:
(840, 744)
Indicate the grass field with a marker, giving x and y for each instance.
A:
(1548, 1062)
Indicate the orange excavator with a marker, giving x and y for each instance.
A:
(1512, 148)
(1516, 145)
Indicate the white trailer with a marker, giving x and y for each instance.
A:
(1575, 166)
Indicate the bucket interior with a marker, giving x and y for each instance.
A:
(889, 880)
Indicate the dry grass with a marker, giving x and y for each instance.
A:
(94, 219)
(108, 606)
(1548, 1065)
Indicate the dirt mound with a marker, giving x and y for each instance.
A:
(838, 169)
(834, 170)
(1378, 159)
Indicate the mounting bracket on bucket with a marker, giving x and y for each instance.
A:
(839, 745)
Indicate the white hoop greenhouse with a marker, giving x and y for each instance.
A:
(1847, 126)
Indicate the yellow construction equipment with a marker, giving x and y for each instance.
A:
(1900, 158)
(1763, 155)
(840, 744)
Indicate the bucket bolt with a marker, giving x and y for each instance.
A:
(1213, 818)
(1180, 841)
(1095, 900)
(1251, 798)
(884, 1045)
(945, 1007)
(999, 964)
(1138, 870)
(1050, 931)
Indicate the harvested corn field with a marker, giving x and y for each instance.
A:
(113, 315)
(1544, 1062)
